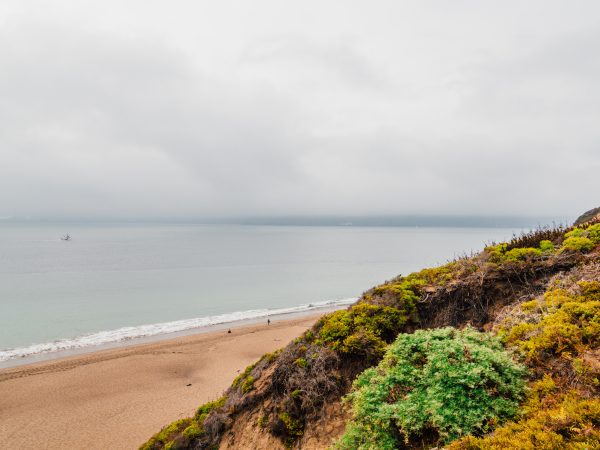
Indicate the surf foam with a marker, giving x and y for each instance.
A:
(129, 333)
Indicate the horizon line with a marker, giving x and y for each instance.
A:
(424, 220)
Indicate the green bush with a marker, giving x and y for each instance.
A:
(582, 240)
(521, 254)
(546, 246)
(263, 421)
(402, 294)
(165, 436)
(194, 431)
(242, 376)
(433, 386)
(594, 233)
(301, 362)
(496, 252)
(205, 409)
(248, 384)
(499, 253)
(309, 336)
(575, 232)
(437, 275)
(579, 244)
(590, 290)
(293, 427)
(361, 330)
(296, 393)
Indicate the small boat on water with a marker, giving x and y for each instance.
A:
(66, 237)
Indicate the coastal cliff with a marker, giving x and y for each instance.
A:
(588, 216)
(495, 350)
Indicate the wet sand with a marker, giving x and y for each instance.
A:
(118, 398)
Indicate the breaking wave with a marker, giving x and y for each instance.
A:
(128, 333)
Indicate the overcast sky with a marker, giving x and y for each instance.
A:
(184, 109)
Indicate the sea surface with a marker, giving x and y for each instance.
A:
(112, 283)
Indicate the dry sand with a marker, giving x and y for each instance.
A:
(116, 399)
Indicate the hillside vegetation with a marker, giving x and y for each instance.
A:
(494, 351)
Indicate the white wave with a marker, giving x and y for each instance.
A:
(127, 333)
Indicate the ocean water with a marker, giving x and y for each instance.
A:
(116, 282)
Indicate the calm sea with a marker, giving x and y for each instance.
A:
(117, 282)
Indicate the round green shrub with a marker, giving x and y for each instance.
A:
(362, 330)
(546, 246)
(575, 232)
(521, 254)
(579, 244)
(433, 386)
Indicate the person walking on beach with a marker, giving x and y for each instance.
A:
(268, 322)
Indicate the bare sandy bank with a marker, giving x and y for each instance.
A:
(118, 398)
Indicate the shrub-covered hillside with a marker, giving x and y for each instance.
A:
(498, 350)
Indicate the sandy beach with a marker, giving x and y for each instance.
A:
(118, 398)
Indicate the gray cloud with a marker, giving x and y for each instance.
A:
(386, 109)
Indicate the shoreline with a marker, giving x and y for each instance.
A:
(165, 336)
(133, 390)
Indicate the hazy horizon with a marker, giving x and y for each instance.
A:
(459, 221)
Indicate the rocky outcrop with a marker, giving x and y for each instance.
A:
(588, 215)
